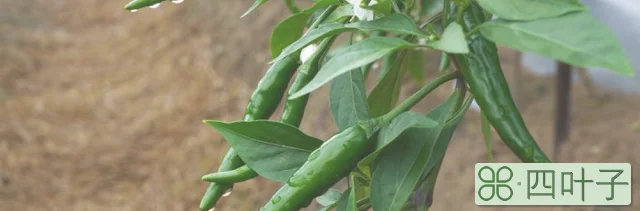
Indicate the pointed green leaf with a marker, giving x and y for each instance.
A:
(445, 61)
(138, 4)
(401, 123)
(431, 7)
(340, 14)
(287, 32)
(526, 10)
(311, 36)
(486, 134)
(452, 41)
(255, 5)
(359, 190)
(400, 165)
(383, 7)
(397, 23)
(352, 57)
(415, 65)
(329, 198)
(423, 194)
(348, 99)
(342, 203)
(576, 38)
(385, 94)
(399, 168)
(272, 149)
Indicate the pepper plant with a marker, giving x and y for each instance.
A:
(390, 155)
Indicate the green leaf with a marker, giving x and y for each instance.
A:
(255, 5)
(399, 168)
(342, 203)
(401, 164)
(138, 4)
(397, 23)
(383, 7)
(348, 99)
(312, 35)
(292, 28)
(431, 7)
(401, 123)
(340, 14)
(427, 185)
(352, 57)
(445, 61)
(274, 150)
(329, 198)
(287, 32)
(575, 38)
(486, 134)
(359, 190)
(387, 64)
(385, 94)
(526, 10)
(415, 65)
(452, 40)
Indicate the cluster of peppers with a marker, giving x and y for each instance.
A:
(479, 69)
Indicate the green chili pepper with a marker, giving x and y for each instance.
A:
(481, 70)
(137, 4)
(216, 190)
(238, 175)
(338, 156)
(294, 108)
(262, 104)
(325, 166)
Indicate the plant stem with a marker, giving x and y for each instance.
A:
(474, 30)
(292, 6)
(433, 19)
(416, 97)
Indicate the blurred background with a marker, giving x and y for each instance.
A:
(102, 109)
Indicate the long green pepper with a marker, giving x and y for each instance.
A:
(294, 108)
(262, 104)
(481, 70)
(337, 156)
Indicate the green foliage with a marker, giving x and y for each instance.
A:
(352, 57)
(274, 150)
(348, 99)
(387, 152)
(525, 10)
(576, 38)
(401, 164)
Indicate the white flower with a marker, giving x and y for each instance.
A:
(361, 13)
(307, 52)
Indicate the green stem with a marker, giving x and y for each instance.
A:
(292, 6)
(416, 97)
(462, 111)
(434, 18)
(473, 31)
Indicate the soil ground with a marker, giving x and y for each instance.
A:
(101, 109)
